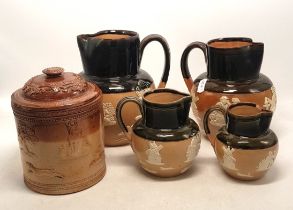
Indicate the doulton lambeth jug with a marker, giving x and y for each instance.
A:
(233, 66)
(165, 140)
(111, 59)
(59, 123)
(246, 148)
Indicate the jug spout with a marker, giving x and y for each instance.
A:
(110, 53)
(186, 100)
(82, 42)
(85, 52)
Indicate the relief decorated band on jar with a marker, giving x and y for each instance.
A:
(59, 122)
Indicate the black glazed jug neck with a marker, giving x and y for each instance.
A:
(234, 59)
(165, 109)
(245, 119)
(110, 53)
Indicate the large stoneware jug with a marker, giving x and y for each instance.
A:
(233, 76)
(111, 59)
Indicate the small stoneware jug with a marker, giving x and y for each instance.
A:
(233, 76)
(60, 129)
(165, 140)
(246, 148)
(111, 59)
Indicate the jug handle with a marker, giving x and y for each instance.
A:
(184, 61)
(206, 120)
(119, 108)
(164, 43)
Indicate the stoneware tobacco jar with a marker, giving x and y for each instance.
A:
(246, 148)
(59, 121)
(165, 140)
(111, 59)
(233, 66)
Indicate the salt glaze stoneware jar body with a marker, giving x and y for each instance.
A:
(59, 120)
(111, 59)
(233, 66)
(165, 140)
(246, 148)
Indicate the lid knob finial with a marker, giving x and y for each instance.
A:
(53, 71)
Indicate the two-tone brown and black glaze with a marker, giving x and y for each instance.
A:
(165, 140)
(233, 76)
(111, 59)
(246, 148)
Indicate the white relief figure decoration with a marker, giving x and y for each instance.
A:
(195, 99)
(142, 87)
(153, 154)
(270, 104)
(138, 117)
(244, 175)
(228, 159)
(109, 114)
(266, 163)
(166, 168)
(193, 148)
(216, 117)
(224, 102)
(120, 137)
(235, 100)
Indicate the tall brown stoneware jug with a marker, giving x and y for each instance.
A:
(111, 59)
(233, 76)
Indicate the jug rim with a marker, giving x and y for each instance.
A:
(130, 34)
(234, 39)
(259, 111)
(185, 96)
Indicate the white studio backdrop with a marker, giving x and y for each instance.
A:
(37, 34)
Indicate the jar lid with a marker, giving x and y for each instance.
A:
(55, 89)
(54, 84)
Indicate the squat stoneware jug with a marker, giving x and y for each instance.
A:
(165, 140)
(245, 148)
(111, 59)
(233, 76)
(59, 121)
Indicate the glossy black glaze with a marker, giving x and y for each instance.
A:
(234, 64)
(167, 115)
(113, 64)
(186, 131)
(245, 131)
(140, 81)
(266, 140)
(242, 125)
(263, 83)
(109, 57)
(230, 65)
(161, 121)
(248, 126)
